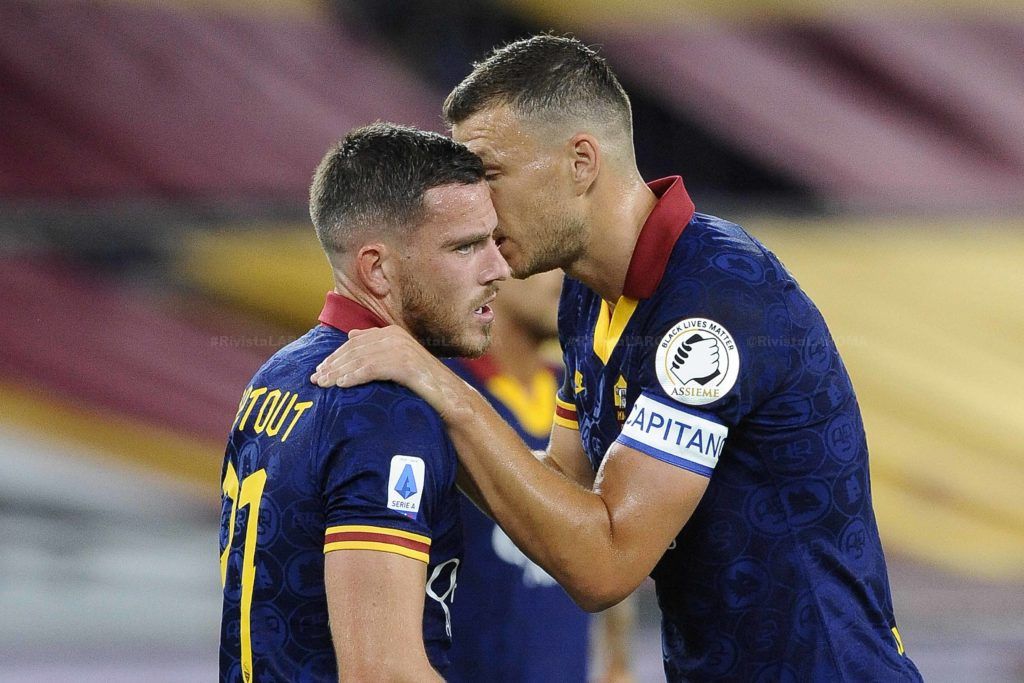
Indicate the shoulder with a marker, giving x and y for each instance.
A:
(382, 405)
(374, 406)
(303, 354)
(719, 272)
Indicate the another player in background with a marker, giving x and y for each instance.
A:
(512, 622)
(706, 411)
(340, 534)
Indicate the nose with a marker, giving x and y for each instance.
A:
(495, 268)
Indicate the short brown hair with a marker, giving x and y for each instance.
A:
(376, 178)
(546, 76)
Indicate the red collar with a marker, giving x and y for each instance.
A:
(344, 314)
(661, 230)
(483, 368)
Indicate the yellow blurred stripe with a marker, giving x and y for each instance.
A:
(929, 319)
(195, 462)
(943, 537)
(278, 273)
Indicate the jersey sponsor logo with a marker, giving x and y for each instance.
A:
(697, 362)
(405, 484)
(673, 435)
(577, 383)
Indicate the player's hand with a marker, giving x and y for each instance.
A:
(385, 354)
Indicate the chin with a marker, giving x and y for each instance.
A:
(479, 348)
(467, 345)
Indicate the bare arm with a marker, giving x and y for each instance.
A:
(598, 542)
(565, 453)
(375, 604)
(617, 625)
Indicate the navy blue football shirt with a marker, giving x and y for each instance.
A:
(512, 622)
(309, 471)
(715, 361)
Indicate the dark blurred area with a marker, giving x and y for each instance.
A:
(155, 248)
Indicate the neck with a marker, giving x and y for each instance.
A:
(515, 350)
(616, 216)
(344, 286)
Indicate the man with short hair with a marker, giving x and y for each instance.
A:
(340, 535)
(702, 387)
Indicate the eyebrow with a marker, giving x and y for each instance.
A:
(467, 239)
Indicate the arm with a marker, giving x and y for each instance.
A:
(375, 604)
(564, 455)
(598, 542)
(616, 636)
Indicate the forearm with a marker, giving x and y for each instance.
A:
(563, 527)
(401, 669)
(617, 627)
(472, 491)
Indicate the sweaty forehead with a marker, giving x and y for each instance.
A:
(459, 208)
(494, 134)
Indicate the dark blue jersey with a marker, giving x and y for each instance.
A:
(512, 623)
(715, 361)
(310, 471)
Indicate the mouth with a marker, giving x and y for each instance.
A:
(483, 313)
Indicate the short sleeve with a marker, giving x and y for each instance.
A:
(702, 374)
(565, 403)
(565, 407)
(384, 473)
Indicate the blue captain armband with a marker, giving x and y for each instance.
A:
(677, 437)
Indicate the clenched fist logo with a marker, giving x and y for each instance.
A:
(696, 360)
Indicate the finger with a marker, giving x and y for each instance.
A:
(352, 347)
(348, 374)
(327, 370)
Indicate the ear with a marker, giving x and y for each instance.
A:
(373, 269)
(586, 161)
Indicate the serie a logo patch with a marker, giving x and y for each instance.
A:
(697, 362)
(405, 484)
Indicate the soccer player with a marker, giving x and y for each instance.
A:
(703, 389)
(512, 622)
(340, 533)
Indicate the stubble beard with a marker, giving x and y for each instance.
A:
(437, 327)
(558, 246)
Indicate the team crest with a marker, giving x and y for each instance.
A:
(697, 362)
(619, 396)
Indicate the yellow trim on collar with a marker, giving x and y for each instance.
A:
(607, 334)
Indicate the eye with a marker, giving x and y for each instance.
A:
(468, 248)
(491, 176)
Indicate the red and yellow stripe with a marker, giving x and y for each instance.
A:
(357, 537)
(565, 414)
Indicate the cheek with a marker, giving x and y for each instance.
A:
(451, 280)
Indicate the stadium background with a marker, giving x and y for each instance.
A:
(154, 249)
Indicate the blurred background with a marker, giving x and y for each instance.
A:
(155, 249)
